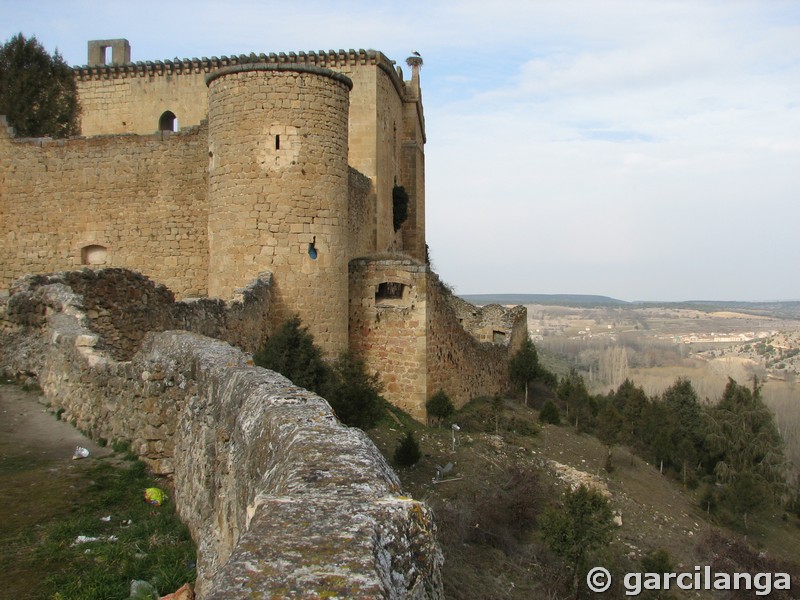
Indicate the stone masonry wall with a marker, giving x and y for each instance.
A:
(420, 338)
(387, 327)
(134, 202)
(121, 306)
(384, 118)
(278, 191)
(129, 100)
(360, 215)
(282, 499)
(457, 362)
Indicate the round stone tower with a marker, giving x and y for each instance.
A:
(278, 191)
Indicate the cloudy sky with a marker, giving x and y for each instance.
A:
(640, 149)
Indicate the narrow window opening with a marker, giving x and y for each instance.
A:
(389, 290)
(168, 121)
(106, 52)
(312, 250)
(277, 142)
(94, 255)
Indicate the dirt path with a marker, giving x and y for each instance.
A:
(39, 482)
(26, 423)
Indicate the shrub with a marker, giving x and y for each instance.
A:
(408, 452)
(353, 393)
(550, 414)
(439, 406)
(399, 206)
(292, 353)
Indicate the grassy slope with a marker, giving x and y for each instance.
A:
(657, 512)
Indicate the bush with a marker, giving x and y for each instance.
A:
(550, 414)
(353, 394)
(292, 353)
(439, 406)
(657, 561)
(408, 452)
(399, 206)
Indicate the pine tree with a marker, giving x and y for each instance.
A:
(354, 394)
(408, 452)
(439, 406)
(609, 430)
(292, 353)
(524, 368)
(747, 449)
(38, 94)
(582, 524)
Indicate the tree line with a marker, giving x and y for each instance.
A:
(731, 448)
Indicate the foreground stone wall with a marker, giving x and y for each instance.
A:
(282, 499)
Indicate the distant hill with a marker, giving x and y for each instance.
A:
(784, 310)
(550, 299)
(781, 310)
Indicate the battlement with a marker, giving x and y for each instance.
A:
(330, 59)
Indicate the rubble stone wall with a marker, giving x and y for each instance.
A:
(121, 306)
(458, 362)
(282, 500)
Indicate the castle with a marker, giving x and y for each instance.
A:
(206, 174)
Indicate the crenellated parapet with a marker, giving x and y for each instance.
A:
(330, 59)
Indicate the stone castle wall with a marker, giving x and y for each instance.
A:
(136, 202)
(387, 327)
(127, 99)
(408, 328)
(458, 362)
(360, 215)
(282, 500)
(131, 98)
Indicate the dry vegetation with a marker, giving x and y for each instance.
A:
(487, 507)
(651, 346)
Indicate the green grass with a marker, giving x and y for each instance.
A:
(151, 543)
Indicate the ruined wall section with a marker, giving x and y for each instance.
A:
(493, 323)
(281, 498)
(122, 306)
(387, 327)
(278, 191)
(134, 202)
(457, 362)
